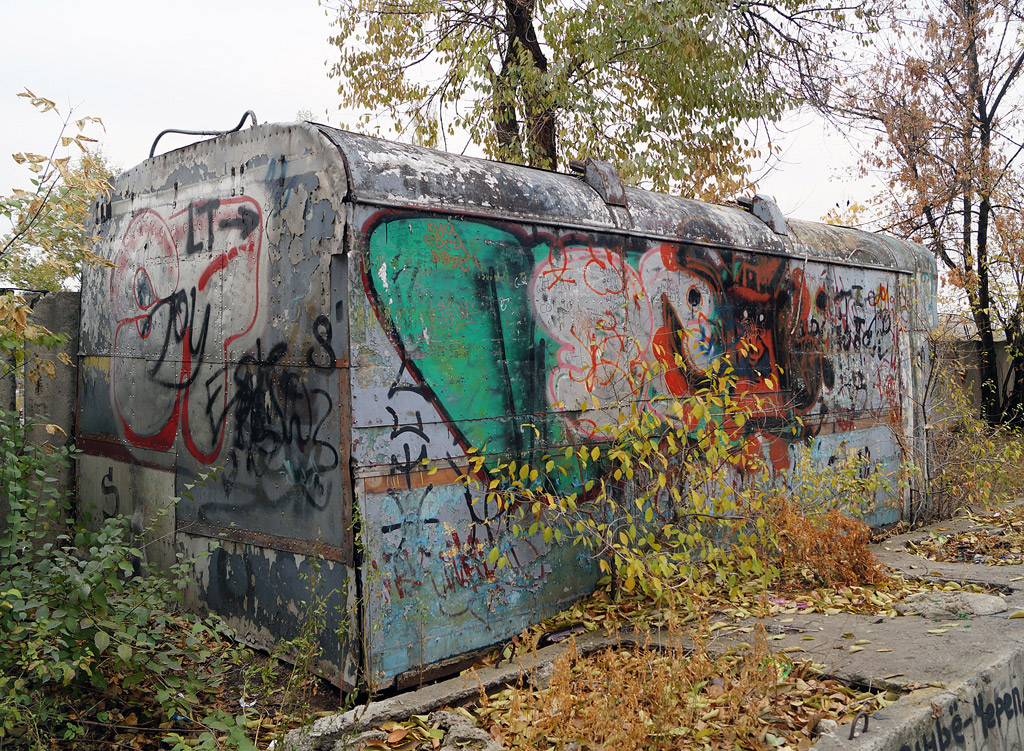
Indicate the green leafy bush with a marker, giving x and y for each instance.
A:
(88, 633)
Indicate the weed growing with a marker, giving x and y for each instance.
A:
(974, 466)
(284, 687)
(828, 550)
(679, 508)
(91, 641)
(95, 651)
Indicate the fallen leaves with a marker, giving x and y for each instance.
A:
(406, 736)
(998, 541)
(673, 697)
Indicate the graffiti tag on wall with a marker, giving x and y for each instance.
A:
(580, 324)
(168, 287)
(190, 360)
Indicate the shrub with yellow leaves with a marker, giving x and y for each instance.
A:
(674, 500)
(46, 242)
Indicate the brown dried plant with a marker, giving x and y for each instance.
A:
(677, 694)
(826, 550)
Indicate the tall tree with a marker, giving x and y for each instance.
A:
(658, 88)
(942, 99)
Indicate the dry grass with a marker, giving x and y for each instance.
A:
(829, 550)
(678, 696)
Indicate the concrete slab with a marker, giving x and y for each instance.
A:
(963, 677)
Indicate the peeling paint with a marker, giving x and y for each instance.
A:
(476, 304)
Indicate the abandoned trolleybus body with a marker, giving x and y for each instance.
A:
(322, 324)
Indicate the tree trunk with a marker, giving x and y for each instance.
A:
(988, 369)
(506, 124)
(539, 138)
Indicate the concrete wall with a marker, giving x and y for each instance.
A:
(957, 380)
(46, 400)
(49, 398)
(55, 398)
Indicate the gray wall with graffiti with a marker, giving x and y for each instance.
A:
(324, 325)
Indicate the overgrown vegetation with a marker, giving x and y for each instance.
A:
(89, 635)
(677, 499)
(974, 465)
(677, 694)
(95, 648)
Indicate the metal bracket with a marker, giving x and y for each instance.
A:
(248, 114)
(765, 209)
(602, 177)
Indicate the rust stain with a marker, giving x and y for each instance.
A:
(383, 483)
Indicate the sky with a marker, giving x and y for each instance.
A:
(199, 65)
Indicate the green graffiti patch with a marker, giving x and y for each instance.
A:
(454, 295)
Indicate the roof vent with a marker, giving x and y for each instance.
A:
(765, 209)
(602, 177)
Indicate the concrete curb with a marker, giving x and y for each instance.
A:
(982, 712)
(975, 698)
(534, 668)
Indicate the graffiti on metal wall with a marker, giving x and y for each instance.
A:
(167, 289)
(430, 589)
(425, 515)
(189, 363)
(504, 325)
(499, 334)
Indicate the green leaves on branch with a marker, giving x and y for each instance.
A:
(46, 240)
(83, 620)
(677, 499)
(659, 89)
